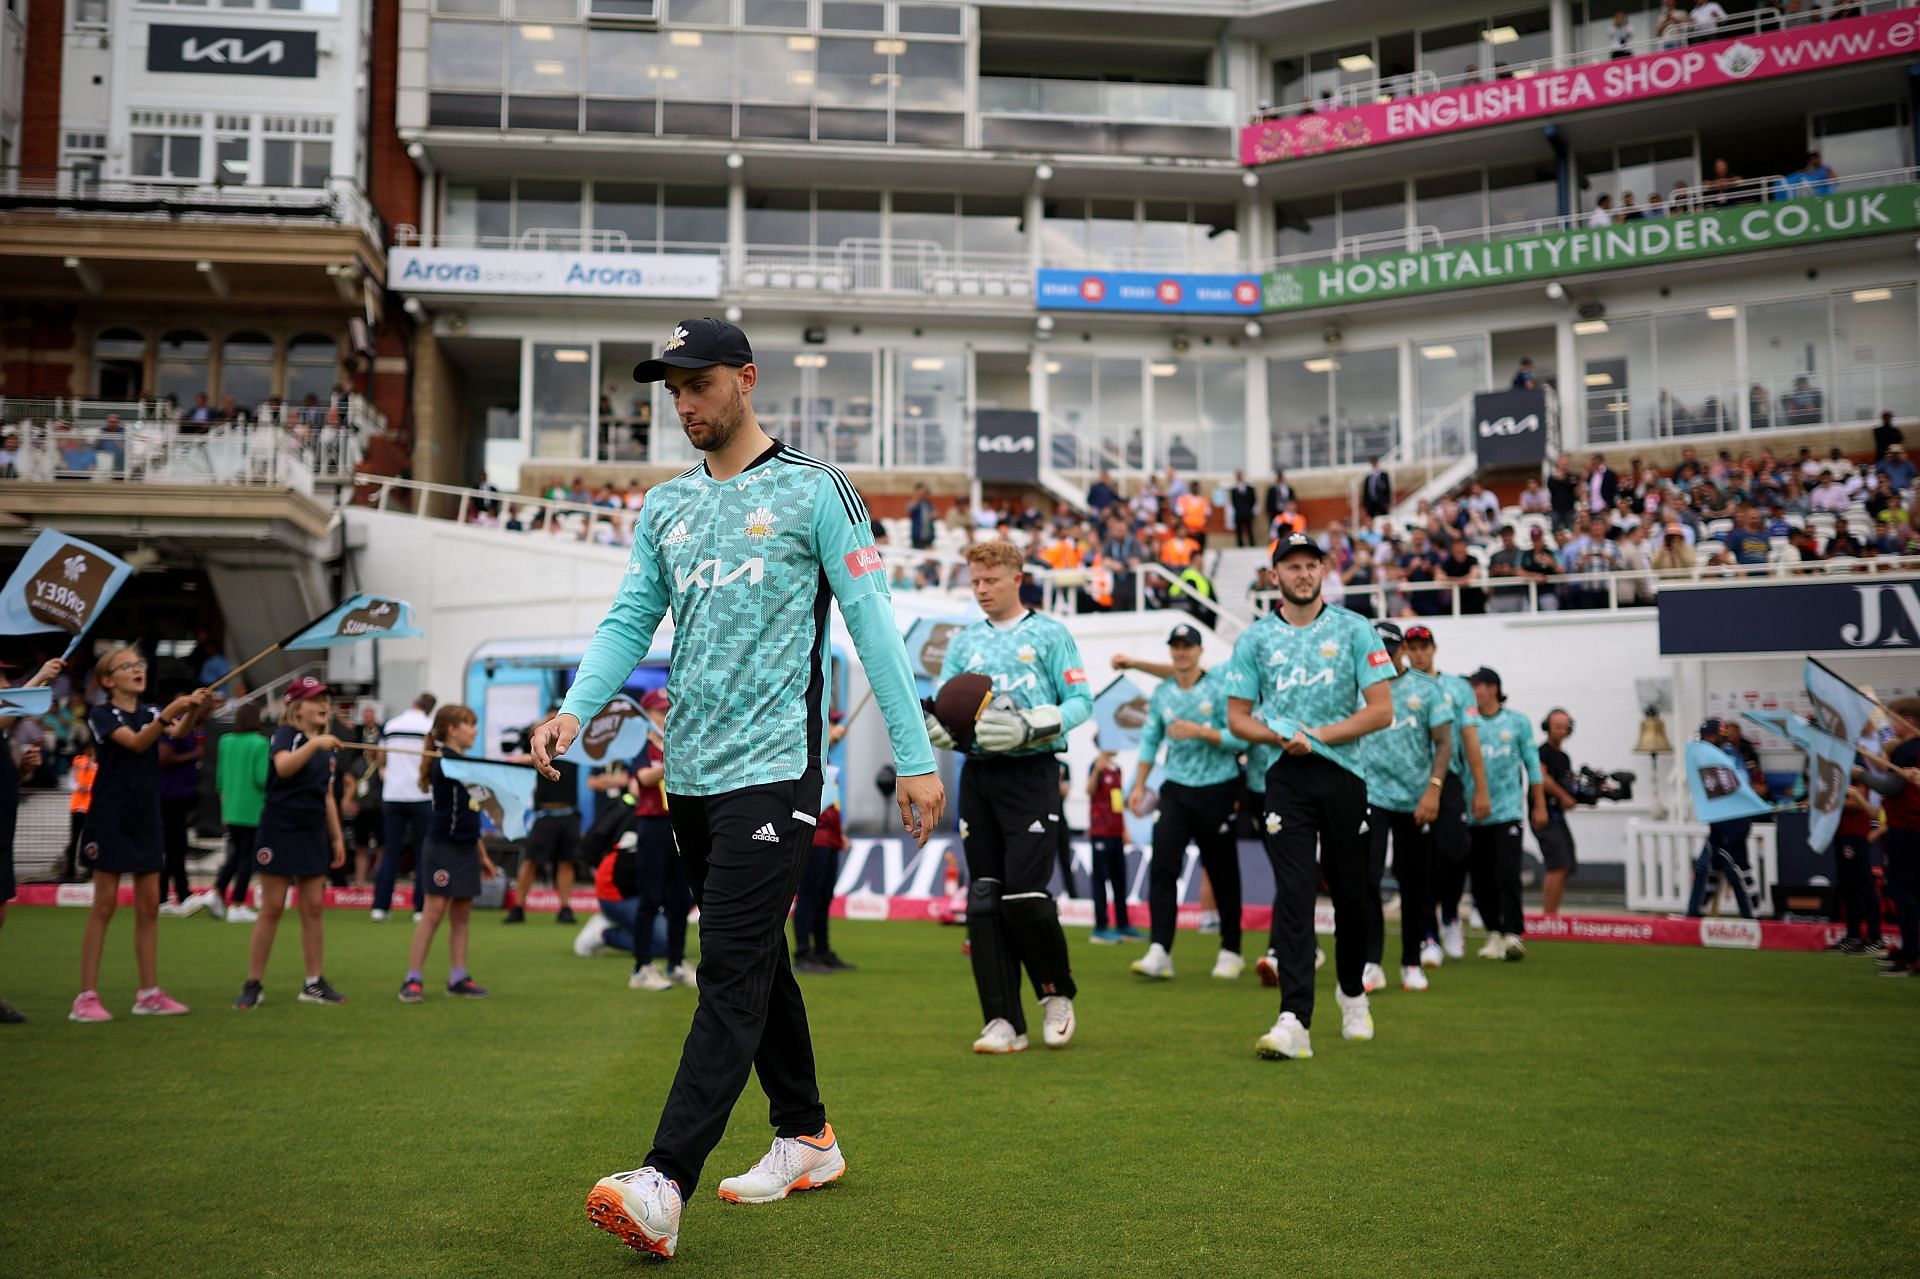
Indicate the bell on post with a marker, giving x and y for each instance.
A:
(1653, 736)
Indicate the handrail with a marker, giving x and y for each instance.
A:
(74, 189)
(229, 453)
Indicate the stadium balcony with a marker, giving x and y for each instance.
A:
(1091, 117)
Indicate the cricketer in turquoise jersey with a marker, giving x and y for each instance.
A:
(1399, 759)
(1309, 678)
(1506, 740)
(1462, 794)
(749, 550)
(1033, 662)
(1192, 761)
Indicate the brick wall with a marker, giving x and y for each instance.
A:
(40, 100)
(393, 180)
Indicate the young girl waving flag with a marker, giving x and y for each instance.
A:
(453, 862)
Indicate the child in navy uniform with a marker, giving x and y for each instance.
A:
(298, 838)
(123, 832)
(452, 863)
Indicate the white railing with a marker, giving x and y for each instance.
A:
(150, 453)
(1846, 397)
(870, 266)
(1102, 100)
(77, 191)
(1660, 857)
(329, 438)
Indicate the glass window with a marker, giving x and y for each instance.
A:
(695, 216)
(696, 66)
(821, 401)
(1694, 355)
(1788, 362)
(1304, 226)
(230, 159)
(1216, 237)
(929, 414)
(1522, 193)
(705, 12)
(929, 19)
(543, 59)
(1326, 75)
(1166, 232)
(1617, 372)
(465, 55)
(926, 216)
(464, 110)
(931, 76)
(853, 15)
(246, 368)
(1199, 415)
(166, 155)
(1444, 370)
(852, 73)
(623, 64)
(1122, 411)
(1373, 211)
(1450, 202)
(776, 13)
(1875, 333)
(313, 361)
(479, 209)
(993, 224)
(480, 8)
(278, 157)
(775, 68)
(779, 218)
(181, 367)
(1299, 425)
(845, 215)
(316, 162)
(632, 208)
(547, 205)
(119, 363)
(546, 8)
(1870, 139)
(562, 399)
(1366, 404)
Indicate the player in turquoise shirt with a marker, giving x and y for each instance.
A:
(1310, 679)
(1463, 794)
(749, 550)
(1198, 798)
(1406, 769)
(1010, 818)
(1515, 795)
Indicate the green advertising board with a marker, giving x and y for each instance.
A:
(1742, 228)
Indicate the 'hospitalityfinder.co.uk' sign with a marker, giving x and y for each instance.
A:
(1740, 229)
(1708, 65)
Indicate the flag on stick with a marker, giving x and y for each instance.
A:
(25, 701)
(615, 735)
(61, 584)
(1718, 783)
(504, 792)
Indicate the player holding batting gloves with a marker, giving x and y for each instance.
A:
(1010, 799)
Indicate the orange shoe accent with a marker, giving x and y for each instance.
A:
(606, 1210)
(808, 1183)
(729, 1196)
(823, 1142)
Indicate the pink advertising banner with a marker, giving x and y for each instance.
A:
(1707, 65)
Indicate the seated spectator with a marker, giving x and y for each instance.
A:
(1419, 564)
(1636, 557)
(1719, 189)
(1359, 574)
(1602, 215)
(1803, 405)
(1843, 543)
(1523, 379)
(1506, 564)
(1290, 520)
(1584, 559)
(1896, 469)
(1675, 554)
(1101, 495)
(1655, 207)
(1819, 175)
(1777, 523)
(1829, 494)
(9, 456)
(1629, 211)
(197, 419)
(1460, 569)
(1534, 499)
(1748, 543)
(77, 458)
(1881, 496)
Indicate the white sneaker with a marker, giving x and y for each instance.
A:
(1431, 956)
(998, 1037)
(378, 917)
(1267, 969)
(1155, 963)
(642, 1207)
(241, 914)
(1453, 940)
(1473, 918)
(647, 977)
(1516, 949)
(1356, 1019)
(176, 910)
(1229, 966)
(418, 916)
(1056, 1026)
(1496, 947)
(1319, 957)
(1287, 1040)
(1372, 977)
(1209, 922)
(683, 975)
(586, 943)
(1413, 977)
(793, 1163)
(214, 906)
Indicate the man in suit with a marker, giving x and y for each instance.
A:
(1279, 493)
(1601, 484)
(1241, 500)
(1376, 494)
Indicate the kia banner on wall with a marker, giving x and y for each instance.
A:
(1144, 291)
(1711, 64)
(233, 51)
(1742, 228)
(1006, 446)
(1510, 428)
(609, 275)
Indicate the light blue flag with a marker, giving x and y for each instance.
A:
(360, 617)
(614, 736)
(1838, 707)
(1830, 768)
(927, 641)
(1719, 786)
(504, 792)
(25, 701)
(61, 584)
(1119, 714)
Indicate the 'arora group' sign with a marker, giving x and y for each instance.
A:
(1740, 229)
(609, 275)
(1707, 65)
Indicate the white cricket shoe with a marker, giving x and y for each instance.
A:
(214, 906)
(1288, 1040)
(647, 977)
(1431, 956)
(1209, 921)
(1413, 977)
(237, 914)
(1453, 940)
(1356, 1019)
(1229, 966)
(176, 910)
(1057, 1023)
(586, 943)
(642, 1207)
(1267, 969)
(683, 975)
(1155, 963)
(1319, 957)
(1372, 977)
(378, 916)
(1516, 949)
(1496, 947)
(998, 1037)
(793, 1163)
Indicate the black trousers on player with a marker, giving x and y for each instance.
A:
(1413, 870)
(1315, 806)
(1496, 877)
(1009, 824)
(743, 852)
(1452, 849)
(1201, 815)
(1858, 897)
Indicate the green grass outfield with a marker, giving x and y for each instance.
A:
(1596, 1110)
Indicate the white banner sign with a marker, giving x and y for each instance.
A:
(604, 275)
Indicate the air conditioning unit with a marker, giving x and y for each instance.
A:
(623, 12)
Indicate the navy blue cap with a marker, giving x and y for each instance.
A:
(1296, 542)
(1184, 634)
(697, 344)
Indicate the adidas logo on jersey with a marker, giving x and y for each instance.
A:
(677, 535)
(767, 834)
(1036, 828)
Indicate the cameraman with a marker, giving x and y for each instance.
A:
(1556, 838)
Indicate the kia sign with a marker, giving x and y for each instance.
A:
(1851, 615)
(1510, 428)
(607, 275)
(1006, 446)
(1144, 291)
(233, 51)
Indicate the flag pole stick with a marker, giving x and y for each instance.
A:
(392, 750)
(234, 673)
(857, 708)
